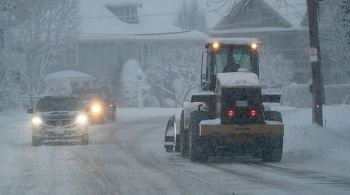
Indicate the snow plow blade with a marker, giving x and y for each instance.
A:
(270, 129)
(263, 141)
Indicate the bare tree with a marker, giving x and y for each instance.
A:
(191, 16)
(275, 70)
(346, 18)
(174, 73)
(43, 28)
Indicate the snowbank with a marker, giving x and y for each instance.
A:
(300, 96)
(307, 145)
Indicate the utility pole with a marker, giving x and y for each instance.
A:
(315, 59)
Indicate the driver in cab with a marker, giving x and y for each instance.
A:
(231, 66)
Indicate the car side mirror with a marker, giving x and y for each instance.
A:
(30, 111)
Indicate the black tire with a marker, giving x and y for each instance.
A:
(84, 139)
(273, 116)
(36, 141)
(273, 151)
(103, 119)
(177, 145)
(197, 147)
(168, 148)
(183, 137)
(113, 117)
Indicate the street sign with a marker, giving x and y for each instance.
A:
(313, 55)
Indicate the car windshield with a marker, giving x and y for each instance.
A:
(59, 104)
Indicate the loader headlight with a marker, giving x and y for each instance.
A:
(82, 119)
(216, 45)
(254, 46)
(96, 108)
(37, 121)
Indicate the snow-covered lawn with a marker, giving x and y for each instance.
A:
(312, 147)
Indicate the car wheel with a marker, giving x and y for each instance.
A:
(85, 139)
(36, 141)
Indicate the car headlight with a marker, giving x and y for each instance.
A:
(82, 119)
(36, 121)
(96, 108)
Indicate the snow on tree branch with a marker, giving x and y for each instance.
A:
(174, 71)
(275, 69)
(42, 30)
(191, 16)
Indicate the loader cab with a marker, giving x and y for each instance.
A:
(228, 55)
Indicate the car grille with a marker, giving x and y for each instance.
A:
(57, 122)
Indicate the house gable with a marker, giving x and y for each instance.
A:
(255, 14)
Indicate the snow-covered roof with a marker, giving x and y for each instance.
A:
(155, 21)
(68, 74)
(238, 79)
(238, 41)
(124, 3)
(292, 11)
(257, 29)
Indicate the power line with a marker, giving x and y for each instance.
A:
(260, 19)
(138, 34)
(132, 15)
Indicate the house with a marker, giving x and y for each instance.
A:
(281, 26)
(114, 31)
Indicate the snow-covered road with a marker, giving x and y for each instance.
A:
(127, 157)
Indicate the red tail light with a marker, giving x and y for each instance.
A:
(231, 113)
(253, 113)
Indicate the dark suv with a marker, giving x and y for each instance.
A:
(59, 118)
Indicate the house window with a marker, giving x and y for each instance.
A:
(16, 76)
(336, 77)
(86, 84)
(2, 75)
(143, 52)
(71, 56)
(2, 38)
(74, 85)
(118, 53)
(126, 13)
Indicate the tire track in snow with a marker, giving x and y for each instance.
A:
(315, 177)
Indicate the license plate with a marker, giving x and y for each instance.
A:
(58, 130)
(240, 103)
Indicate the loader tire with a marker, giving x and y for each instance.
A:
(183, 137)
(197, 147)
(184, 143)
(177, 145)
(273, 151)
(36, 141)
